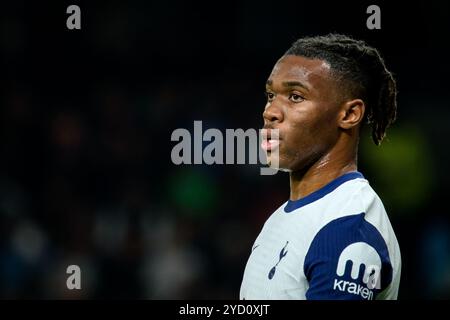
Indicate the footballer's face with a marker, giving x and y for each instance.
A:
(303, 104)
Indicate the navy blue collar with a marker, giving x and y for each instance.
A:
(322, 192)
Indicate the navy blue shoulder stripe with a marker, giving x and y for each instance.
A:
(316, 195)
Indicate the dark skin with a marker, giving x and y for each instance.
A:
(318, 123)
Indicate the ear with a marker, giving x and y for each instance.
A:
(352, 113)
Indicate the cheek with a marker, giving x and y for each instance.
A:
(322, 124)
(300, 139)
(305, 124)
(310, 132)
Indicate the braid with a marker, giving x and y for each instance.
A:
(383, 113)
(363, 71)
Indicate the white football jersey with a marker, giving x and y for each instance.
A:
(336, 243)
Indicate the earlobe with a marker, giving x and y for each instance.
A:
(352, 114)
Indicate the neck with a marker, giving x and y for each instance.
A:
(330, 166)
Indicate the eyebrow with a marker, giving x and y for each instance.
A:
(289, 84)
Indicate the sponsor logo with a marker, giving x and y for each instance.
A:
(353, 288)
(359, 254)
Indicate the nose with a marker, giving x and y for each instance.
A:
(273, 113)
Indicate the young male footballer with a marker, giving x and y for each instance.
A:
(332, 239)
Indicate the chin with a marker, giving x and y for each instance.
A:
(278, 166)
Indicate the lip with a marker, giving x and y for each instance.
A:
(266, 133)
(270, 144)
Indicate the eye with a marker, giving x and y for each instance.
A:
(296, 98)
(270, 96)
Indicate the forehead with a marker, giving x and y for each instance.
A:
(314, 73)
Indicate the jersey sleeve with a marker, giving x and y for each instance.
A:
(347, 260)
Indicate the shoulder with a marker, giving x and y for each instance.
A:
(349, 259)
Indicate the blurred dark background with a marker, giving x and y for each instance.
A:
(86, 176)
